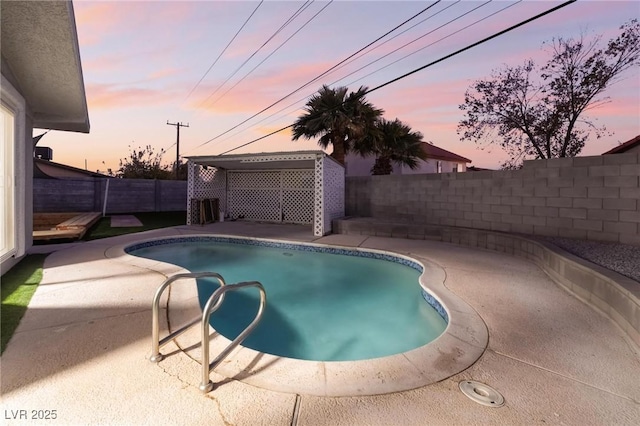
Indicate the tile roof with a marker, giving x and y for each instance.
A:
(624, 147)
(438, 153)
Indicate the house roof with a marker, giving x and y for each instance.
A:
(41, 59)
(438, 153)
(45, 169)
(624, 147)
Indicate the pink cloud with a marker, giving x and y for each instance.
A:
(265, 130)
(96, 21)
(108, 96)
(260, 90)
(616, 106)
(104, 63)
(165, 72)
(100, 22)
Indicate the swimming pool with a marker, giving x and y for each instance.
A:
(324, 304)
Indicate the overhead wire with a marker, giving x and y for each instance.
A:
(430, 64)
(372, 62)
(375, 47)
(390, 64)
(320, 76)
(283, 26)
(271, 54)
(424, 47)
(395, 36)
(298, 12)
(224, 50)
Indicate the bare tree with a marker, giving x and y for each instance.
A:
(538, 113)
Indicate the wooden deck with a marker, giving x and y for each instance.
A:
(72, 228)
(78, 222)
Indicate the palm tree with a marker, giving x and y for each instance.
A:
(339, 119)
(395, 143)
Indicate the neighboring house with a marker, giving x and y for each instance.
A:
(42, 87)
(438, 161)
(632, 145)
(45, 169)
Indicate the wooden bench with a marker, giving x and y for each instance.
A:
(72, 228)
(56, 234)
(80, 221)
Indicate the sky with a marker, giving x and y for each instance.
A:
(148, 62)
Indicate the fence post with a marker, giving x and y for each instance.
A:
(157, 196)
(97, 194)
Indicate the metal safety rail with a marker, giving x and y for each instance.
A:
(214, 302)
(212, 305)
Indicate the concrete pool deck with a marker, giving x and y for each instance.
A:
(82, 347)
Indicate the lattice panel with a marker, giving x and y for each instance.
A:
(297, 179)
(297, 196)
(204, 183)
(255, 195)
(248, 180)
(318, 203)
(255, 204)
(333, 193)
(297, 206)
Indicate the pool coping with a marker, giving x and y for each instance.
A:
(460, 345)
(607, 291)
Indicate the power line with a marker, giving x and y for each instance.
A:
(319, 76)
(390, 53)
(287, 22)
(225, 49)
(396, 61)
(274, 51)
(396, 36)
(457, 52)
(392, 63)
(424, 47)
(397, 49)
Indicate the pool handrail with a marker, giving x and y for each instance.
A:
(156, 343)
(211, 306)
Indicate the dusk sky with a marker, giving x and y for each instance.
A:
(142, 59)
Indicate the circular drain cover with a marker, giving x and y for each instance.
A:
(481, 393)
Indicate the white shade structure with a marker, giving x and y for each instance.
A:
(304, 187)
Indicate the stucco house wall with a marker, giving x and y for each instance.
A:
(355, 165)
(42, 87)
(431, 166)
(438, 161)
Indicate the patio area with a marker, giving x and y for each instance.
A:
(82, 347)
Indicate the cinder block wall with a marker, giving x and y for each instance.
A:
(123, 196)
(593, 198)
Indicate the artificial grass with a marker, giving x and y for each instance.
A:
(150, 220)
(18, 285)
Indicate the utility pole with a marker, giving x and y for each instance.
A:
(178, 125)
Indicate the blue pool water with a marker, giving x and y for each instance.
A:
(320, 306)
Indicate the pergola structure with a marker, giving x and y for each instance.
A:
(304, 187)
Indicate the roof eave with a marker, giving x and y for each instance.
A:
(40, 47)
